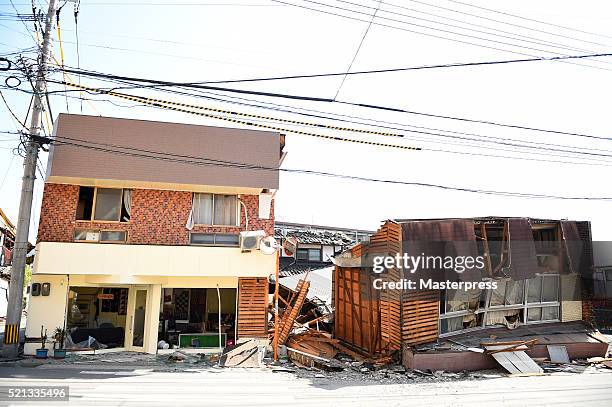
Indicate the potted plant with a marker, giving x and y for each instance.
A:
(59, 336)
(42, 352)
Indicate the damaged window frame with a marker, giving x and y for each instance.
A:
(495, 269)
(542, 304)
(602, 279)
(485, 307)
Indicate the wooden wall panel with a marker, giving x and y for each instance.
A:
(420, 314)
(366, 318)
(387, 241)
(357, 317)
(252, 307)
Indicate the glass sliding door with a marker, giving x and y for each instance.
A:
(137, 319)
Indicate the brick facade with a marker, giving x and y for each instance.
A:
(158, 217)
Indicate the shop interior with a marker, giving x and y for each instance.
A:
(99, 313)
(189, 317)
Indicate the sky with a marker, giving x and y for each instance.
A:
(237, 39)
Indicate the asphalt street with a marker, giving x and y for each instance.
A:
(92, 385)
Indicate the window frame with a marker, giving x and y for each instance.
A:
(99, 231)
(542, 304)
(95, 202)
(214, 244)
(308, 249)
(525, 306)
(238, 220)
(453, 314)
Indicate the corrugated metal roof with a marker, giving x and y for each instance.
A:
(320, 283)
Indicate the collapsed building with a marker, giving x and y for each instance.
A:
(539, 270)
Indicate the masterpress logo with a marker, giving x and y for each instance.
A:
(436, 268)
(412, 265)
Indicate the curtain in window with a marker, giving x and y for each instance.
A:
(498, 295)
(202, 209)
(127, 203)
(190, 222)
(514, 292)
(452, 324)
(509, 318)
(225, 210)
(456, 300)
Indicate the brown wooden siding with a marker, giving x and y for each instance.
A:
(252, 307)
(420, 313)
(366, 318)
(357, 317)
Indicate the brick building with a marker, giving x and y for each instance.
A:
(140, 234)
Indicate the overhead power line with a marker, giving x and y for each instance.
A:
(456, 140)
(253, 122)
(470, 41)
(363, 37)
(477, 29)
(297, 122)
(171, 106)
(372, 122)
(200, 160)
(555, 34)
(410, 68)
(490, 30)
(153, 83)
(531, 19)
(403, 128)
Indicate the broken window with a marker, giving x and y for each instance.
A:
(459, 309)
(508, 292)
(603, 283)
(543, 298)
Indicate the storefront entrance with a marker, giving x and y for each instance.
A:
(136, 319)
(108, 317)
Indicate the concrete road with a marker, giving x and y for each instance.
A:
(107, 386)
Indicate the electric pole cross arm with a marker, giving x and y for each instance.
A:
(20, 251)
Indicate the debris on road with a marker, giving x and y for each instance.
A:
(246, 354)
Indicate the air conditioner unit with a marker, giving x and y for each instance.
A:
(250, 240)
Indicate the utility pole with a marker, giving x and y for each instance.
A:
(15, 302)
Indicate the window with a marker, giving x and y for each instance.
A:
(458, 310)
(309, 254)
(104, 204)
(603, 283)
(508, 292)
(85, 205)
(113, 236)
(543, 298)
(214, 239)
(102, 236)
(214, 209)
(513, 302)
